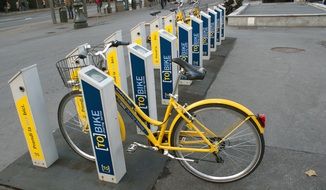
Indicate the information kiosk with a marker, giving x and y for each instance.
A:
(218, 25)
(116, 62)
(223, 21)
(168, 70)
(138, 34)
(197, 42)
(101, 108)
(206, 35)
(28, 95)
(142, 80)
(213, 15)
(185, 46)
(154, 27)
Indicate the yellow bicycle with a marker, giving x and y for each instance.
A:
(183, 14)
(217, 140)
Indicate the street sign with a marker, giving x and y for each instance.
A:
(100, 103)
(168, 70)
(206, 35)
(142, 80)
(28, 95)
(115, 60)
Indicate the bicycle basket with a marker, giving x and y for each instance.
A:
(68, 69)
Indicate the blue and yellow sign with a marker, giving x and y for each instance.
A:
(166, 68)
(99, 134)
(183, 44)
(196, 49)
(206, 34)
(213, 29)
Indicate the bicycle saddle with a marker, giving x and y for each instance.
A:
(154, 13)
(191, 72)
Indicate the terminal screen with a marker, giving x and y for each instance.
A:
(94, 74)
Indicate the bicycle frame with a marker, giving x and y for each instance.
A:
(142, 121)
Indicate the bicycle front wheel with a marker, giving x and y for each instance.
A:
(73, 124)
(240, 145)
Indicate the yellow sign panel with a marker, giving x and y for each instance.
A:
(28, 125)
(155, 48)
(169, 28)
(113, 66)
(138, 41)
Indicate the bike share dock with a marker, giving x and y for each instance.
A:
(279, 14)
(144, 167)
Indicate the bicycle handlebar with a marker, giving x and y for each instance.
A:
(115, 43)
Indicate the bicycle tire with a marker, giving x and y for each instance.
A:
(79, 142)
(217, 171)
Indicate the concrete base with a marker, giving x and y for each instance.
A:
(281, 14)
(79, 25)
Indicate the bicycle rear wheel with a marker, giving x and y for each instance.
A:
(73, 124)
(238, 155)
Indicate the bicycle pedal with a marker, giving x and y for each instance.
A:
(132, 148)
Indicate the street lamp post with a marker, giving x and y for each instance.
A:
(80, 17)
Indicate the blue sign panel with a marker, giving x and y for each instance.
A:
(196, 43)
(222, 20)
(218, 20)
(183, 44)
(166, 68)
(139, 82)
(205, 36)
(99, 134)
(212, 36)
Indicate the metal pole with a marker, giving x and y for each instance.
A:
(54, 20)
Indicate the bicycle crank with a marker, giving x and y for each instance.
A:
(133, 147)
(166, 153)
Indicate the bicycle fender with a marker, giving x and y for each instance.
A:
(222, 102)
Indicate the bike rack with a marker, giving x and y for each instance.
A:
(206, 35)
(197, 42)
(154, 28)
(116, 62)
(142, 80)
(223, 21)
(185, 46)
(138, 34)
(213, 15)
(169, 23)
(168, 71)
(100, 103)
(218, 25)
(28, 95)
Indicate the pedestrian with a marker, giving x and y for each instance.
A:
(69, 6)
(99, 5)
(163, 3)
(43, 3)
(7, 6)
(17, 5)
